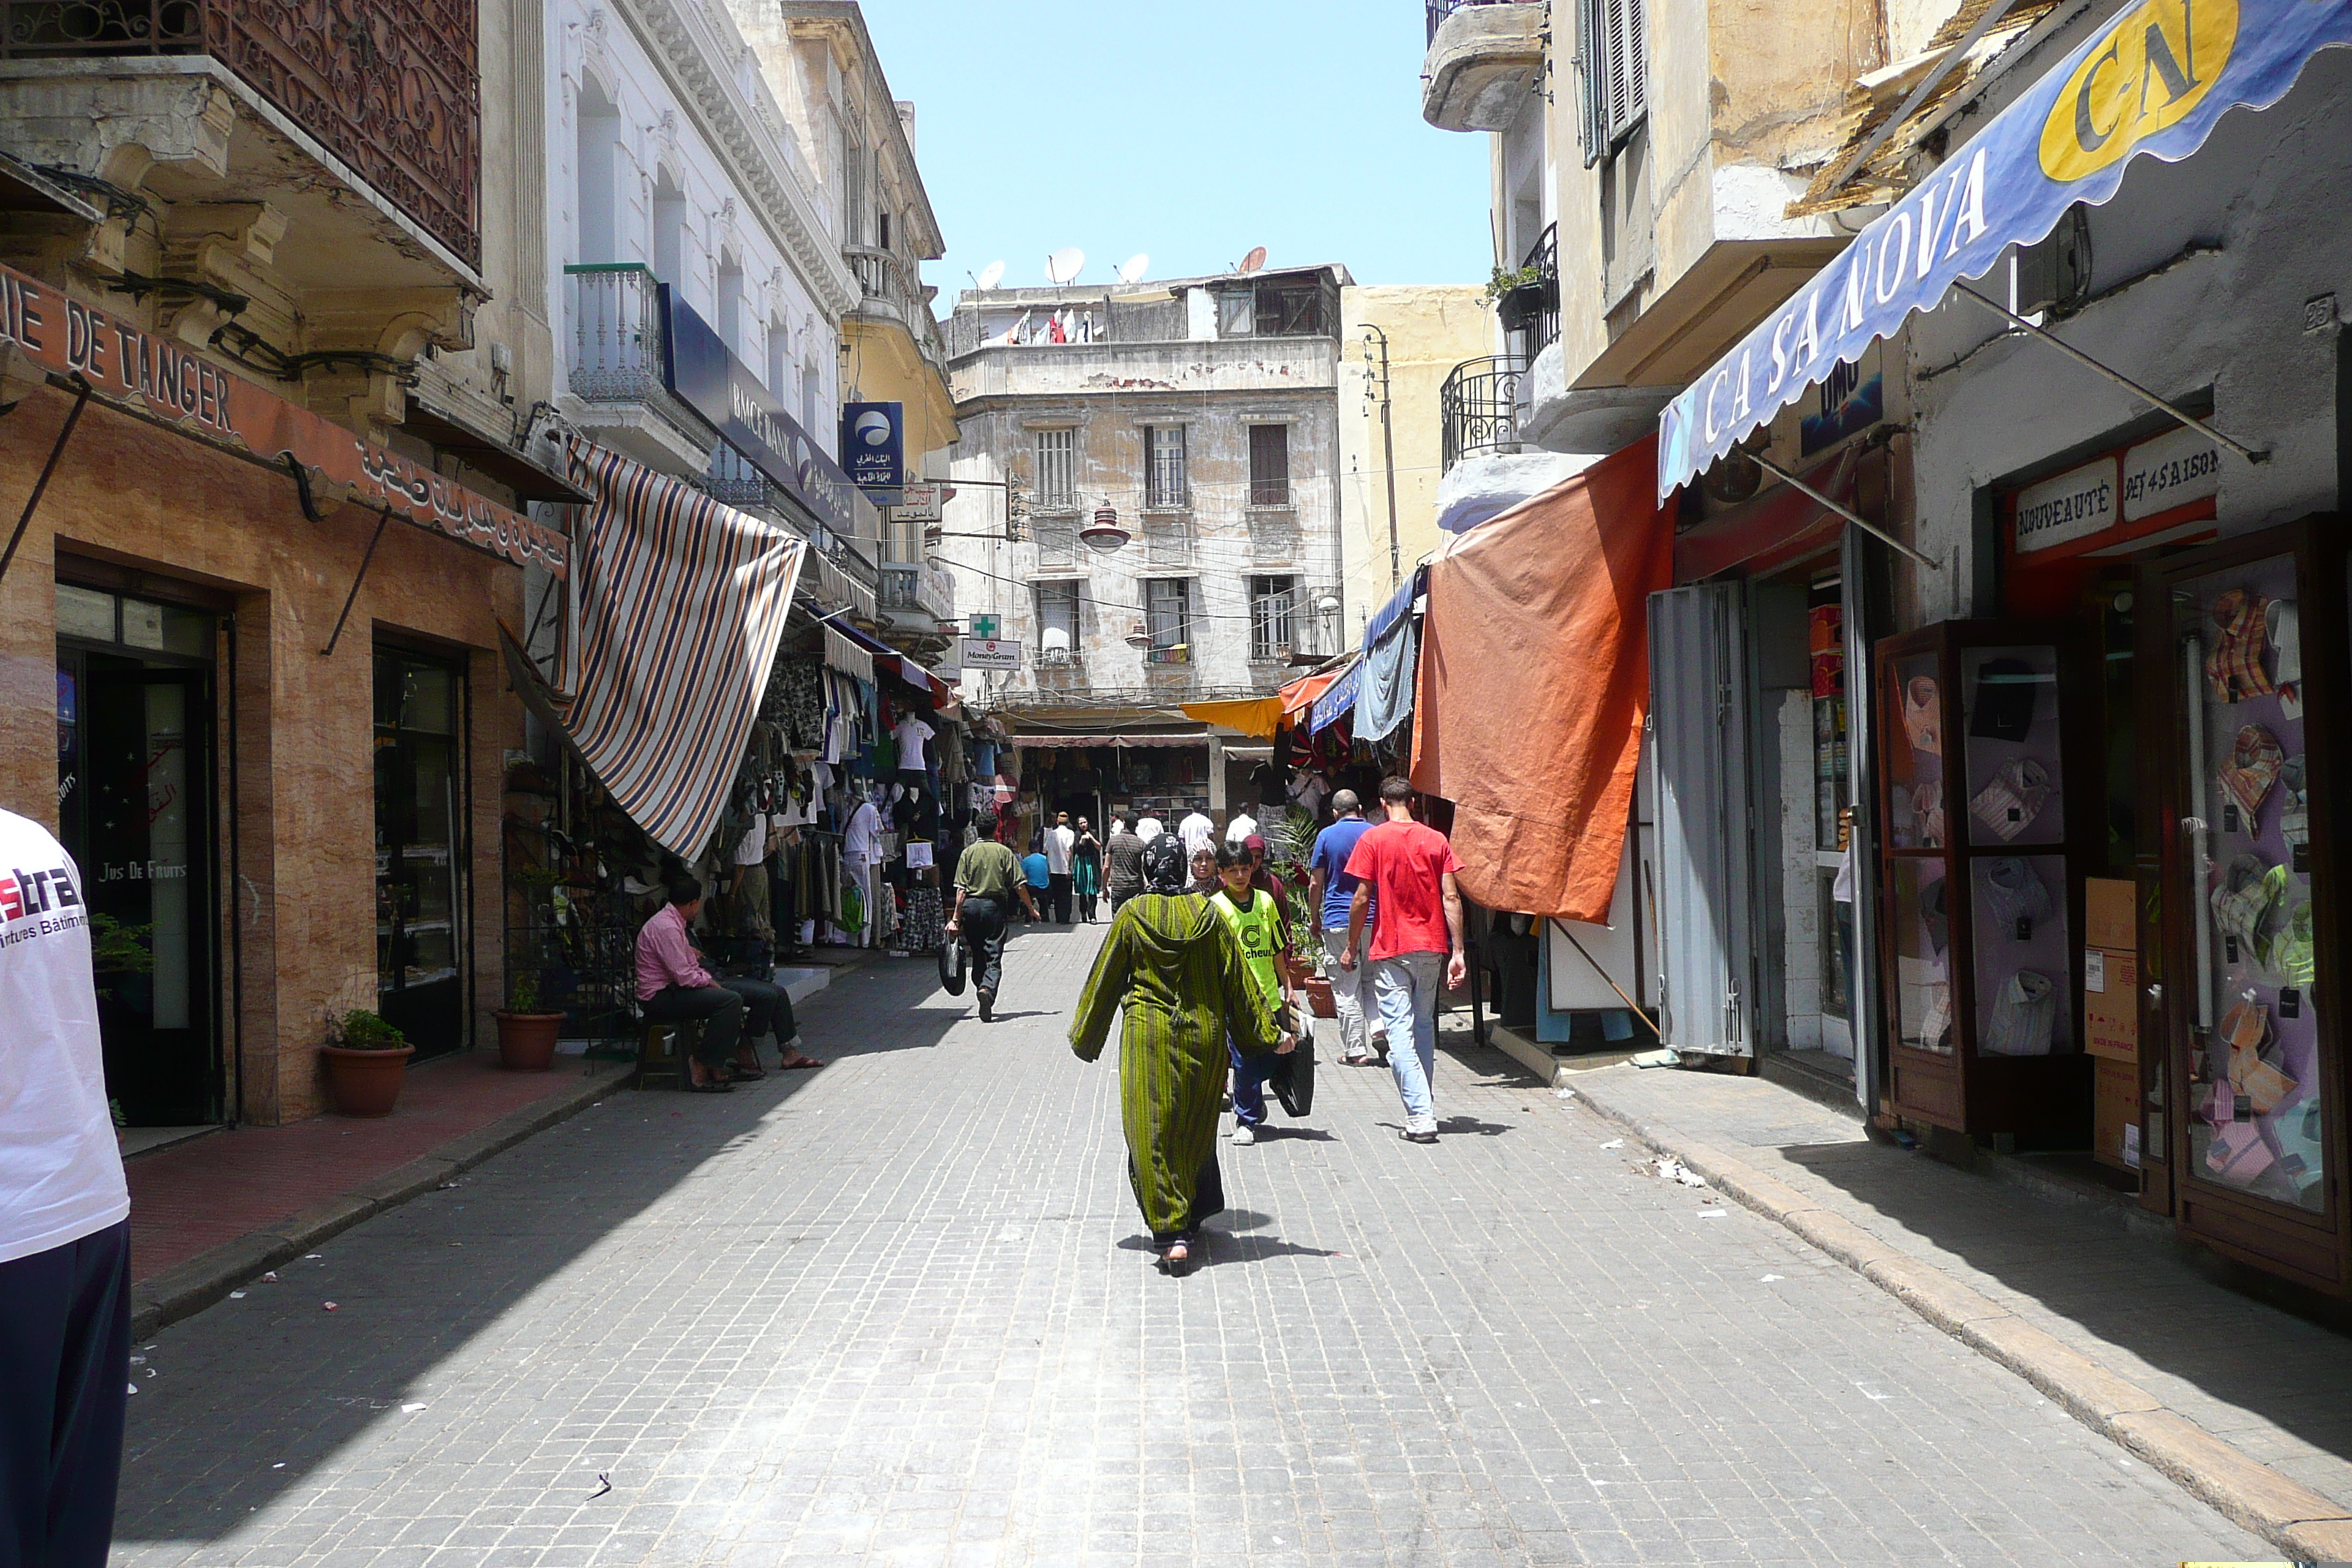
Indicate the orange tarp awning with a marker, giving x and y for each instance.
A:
(1258, 716)
(1535, 679)
(1300, 694)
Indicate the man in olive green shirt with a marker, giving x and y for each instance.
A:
(988, 878)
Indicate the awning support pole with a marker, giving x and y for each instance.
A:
(41, 485)
(354, 597)
(1848, 513)
(2126, 382)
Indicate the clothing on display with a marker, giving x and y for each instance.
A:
(1936, 1026)
(2005, 691)
(2024, 1017)
(2244, 903)
(2252, 769)
(2294, 813)
(1923, 715)
(2234, 669)
(910, 735)
(2017, 896)
(2007, 805)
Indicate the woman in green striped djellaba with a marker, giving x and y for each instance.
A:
(1172, 965)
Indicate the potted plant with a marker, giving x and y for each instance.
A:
(365, 1059)
(526, 1037)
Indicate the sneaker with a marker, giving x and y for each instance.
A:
(1243, 1134)
(987, 1006)
(1421, 1128)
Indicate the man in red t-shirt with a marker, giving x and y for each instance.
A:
(1408, 870)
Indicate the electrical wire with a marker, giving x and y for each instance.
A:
(1140, 609)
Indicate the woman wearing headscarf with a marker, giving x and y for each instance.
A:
(1085, 871)
(1172, 967)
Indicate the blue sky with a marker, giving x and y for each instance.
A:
(1189, 129)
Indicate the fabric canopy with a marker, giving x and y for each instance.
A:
(1258, 716)
(1299, 696)
(1072, 742)
(2156, 80)
(1535, 678)
(1338, 698)
(1390, 671)
(677, 604)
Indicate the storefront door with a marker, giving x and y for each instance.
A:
(134, 775)
(1700, 756)
(420, 849)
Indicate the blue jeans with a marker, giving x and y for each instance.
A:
(1405, 988)
(1250, 1074)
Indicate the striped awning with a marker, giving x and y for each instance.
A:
(677, 604)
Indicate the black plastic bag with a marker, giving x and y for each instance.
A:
(954, 960)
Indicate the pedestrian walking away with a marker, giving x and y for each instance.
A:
(1241, 825)
(1061, 840)
(987, 879)
(1173, 969)
(1330, 890)
(1409, 870)
(1197, 832)
(1164, 865)
(1256, 918)
(675, 986)
(1123, 864)
(65, 1231)
(1085, 871)
(1040, 882)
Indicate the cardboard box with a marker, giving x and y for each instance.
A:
(2114, 1107)
(2110, 914)
(2111, 1004)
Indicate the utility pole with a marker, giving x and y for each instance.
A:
(1388, 445)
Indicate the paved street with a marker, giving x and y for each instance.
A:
(900, 1311)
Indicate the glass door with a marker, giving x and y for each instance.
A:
(420, 849)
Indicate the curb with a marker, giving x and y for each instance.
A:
(187, 1288)
(2309, 1526)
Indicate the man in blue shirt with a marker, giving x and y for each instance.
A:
(1034, 871)
(1331, 890)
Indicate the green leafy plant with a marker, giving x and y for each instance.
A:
(359, 1030)
(522, 991)
(1507, 278)
(119, 949)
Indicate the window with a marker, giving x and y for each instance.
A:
(882, 231)
(1269, 464)
(1273, 602)
(1236, 315)
(1057, 468)
(1168, 610)
(1164, 484)
(1613, 60)
(1057, 621)
(1290, 311)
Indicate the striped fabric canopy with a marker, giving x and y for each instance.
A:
(677, 604)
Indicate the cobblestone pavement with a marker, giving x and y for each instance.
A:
(899, 1311)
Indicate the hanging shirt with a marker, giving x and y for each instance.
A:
(862, 840)
(911, 734)
(752, 848)
(60, 1173)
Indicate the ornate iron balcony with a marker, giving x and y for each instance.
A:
(1478, 407)
(390, 87)
(1532, 308)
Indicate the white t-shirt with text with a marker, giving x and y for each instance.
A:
(61, 1171)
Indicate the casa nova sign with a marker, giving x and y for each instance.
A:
(2153, 81)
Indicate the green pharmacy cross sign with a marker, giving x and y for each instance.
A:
(984, 628)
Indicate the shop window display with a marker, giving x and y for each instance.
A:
(2257, 1114)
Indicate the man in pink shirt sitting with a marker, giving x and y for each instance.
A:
(672, 986)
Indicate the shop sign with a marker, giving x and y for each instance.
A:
(707, 377)
(1850, 400)
(2176, 468)
(156, 378)
(2154, 78)
(874, 448)
(989, 653)
(921, 503)
(2074, 505)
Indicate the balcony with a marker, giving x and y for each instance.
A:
(389, 88)
(616, 342)
(1531, 308)
(1484, 62)
(921, 589)
(1478, 407)
(892, 292)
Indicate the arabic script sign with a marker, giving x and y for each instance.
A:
(155, 375)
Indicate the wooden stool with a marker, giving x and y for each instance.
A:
(662, 1050)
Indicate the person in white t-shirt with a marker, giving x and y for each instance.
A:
(1197, 832)
(1241, 826)
(1060, 841)
(65, 1221)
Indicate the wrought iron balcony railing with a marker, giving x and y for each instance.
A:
(1441, 9)
(617, 332)
(1478, 407)
(1532, 308)
(390, 87)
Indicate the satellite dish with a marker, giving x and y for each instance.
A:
(1136, 266)
(1252, 262)
(1064, 266)
(991, 275)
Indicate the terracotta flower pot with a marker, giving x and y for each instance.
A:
(527, 1041)
(365, 1083)
(1318, 997)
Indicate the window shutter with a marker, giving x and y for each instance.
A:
(1626, 70)
(1591, 72)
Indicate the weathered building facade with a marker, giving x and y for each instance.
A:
(1198, 421)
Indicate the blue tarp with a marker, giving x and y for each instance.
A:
(1389, 673)
(2153, 81)
(1342, 693)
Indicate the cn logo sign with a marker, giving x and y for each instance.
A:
(2159, 60)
